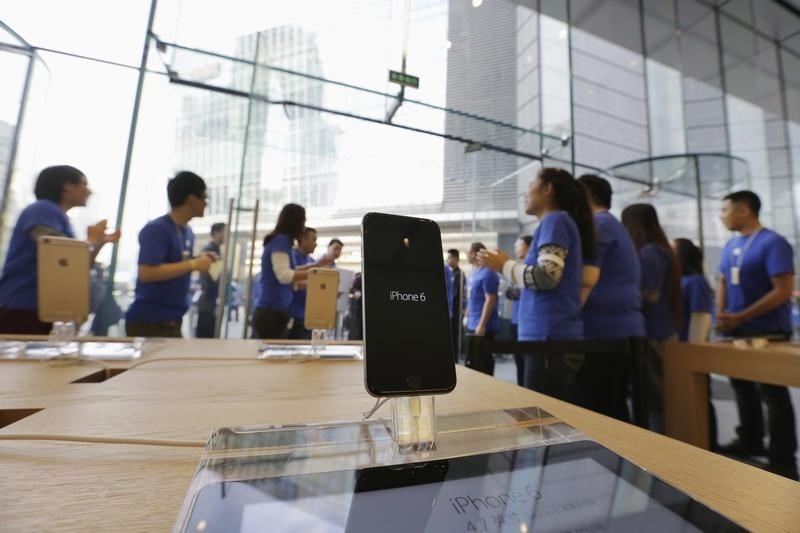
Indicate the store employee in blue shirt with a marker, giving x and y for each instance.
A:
(166, 261)
(553, 277)
(482, 317)
(279, 273)
(58, 189)
(756, 278)
(302, 259)
(612, 309)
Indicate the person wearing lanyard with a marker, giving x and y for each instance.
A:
(756, 277)
(58, 189)
(513, 293)
(166, 262)
(278, 274)
(482, 317)
(302, 259)
(612, 309)
(553, 276)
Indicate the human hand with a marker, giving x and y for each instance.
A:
(728, 321)
(493, 259)
(480, 331)
(211, 255)
(97, 236)
(203, 262)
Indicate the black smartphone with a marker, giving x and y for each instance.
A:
(408, 349)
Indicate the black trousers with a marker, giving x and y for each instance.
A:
(270, 323)
(555, 375)
(485, 365)
(171, 329)
(519, 359)
(603, 381)
(298, 330)
(206, 323)
(780, 418)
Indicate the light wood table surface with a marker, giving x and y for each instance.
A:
(686, 370)
(103, 487)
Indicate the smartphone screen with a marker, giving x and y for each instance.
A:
(408, 349)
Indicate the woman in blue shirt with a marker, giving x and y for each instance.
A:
(661, 295)
(552, 277)
(278, 274)
(58, 189)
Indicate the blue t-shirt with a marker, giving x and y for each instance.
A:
(448, 285)
(274, 294)
(554, 314)
(656, 264)
(18, 284)
(298, 307)
(515, 311)
(614, 307)
(483, 281)
(697, 298)
(162, 241)
(768, 255)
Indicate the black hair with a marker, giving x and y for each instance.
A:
(599, 189)
(690, 257)
(309, 229)
(476, 247)
(183, 185)
(453, 252)
(217, 227)
(291, 222)
(641, 221)
(335, 241)
(748, 198)
(527, 239)
(571, 197)
(51, 180)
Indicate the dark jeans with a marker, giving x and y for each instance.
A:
(555, 375)
(455, 331)
(22, 322)
(270, 323)
(206, 323)
(780, 417)
(519, 359)
(603, 381)
(153, 329)
(298, 330)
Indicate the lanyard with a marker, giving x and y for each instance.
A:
(746, 247)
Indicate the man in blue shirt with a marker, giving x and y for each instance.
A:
(482, 317)
(58, 189)
(209, 288)
(302, 260)
(166, 262)
(756, 278)
(612, 308)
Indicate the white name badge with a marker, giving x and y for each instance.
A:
(735, 275)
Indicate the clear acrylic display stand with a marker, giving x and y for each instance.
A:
(319, 341)
(250, 453)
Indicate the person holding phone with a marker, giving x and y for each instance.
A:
(166, 261)
(58, 189)
(552, 275)
(278, 274)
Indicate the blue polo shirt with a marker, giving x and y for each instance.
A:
(697, 298)
(554, 314)
(162, 241)
(483, 281)
(274, 294)
(613, 309)
(18, 284)
(298, 307)
(769, 255)
(656, 264)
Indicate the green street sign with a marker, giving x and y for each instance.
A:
(401, 78)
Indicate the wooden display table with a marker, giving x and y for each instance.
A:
(686, 370)
(49, 486)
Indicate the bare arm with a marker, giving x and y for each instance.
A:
(699, 324)
(164, 271)
(722, 295)
(488, 308)
(780, 293)
(590, 276)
